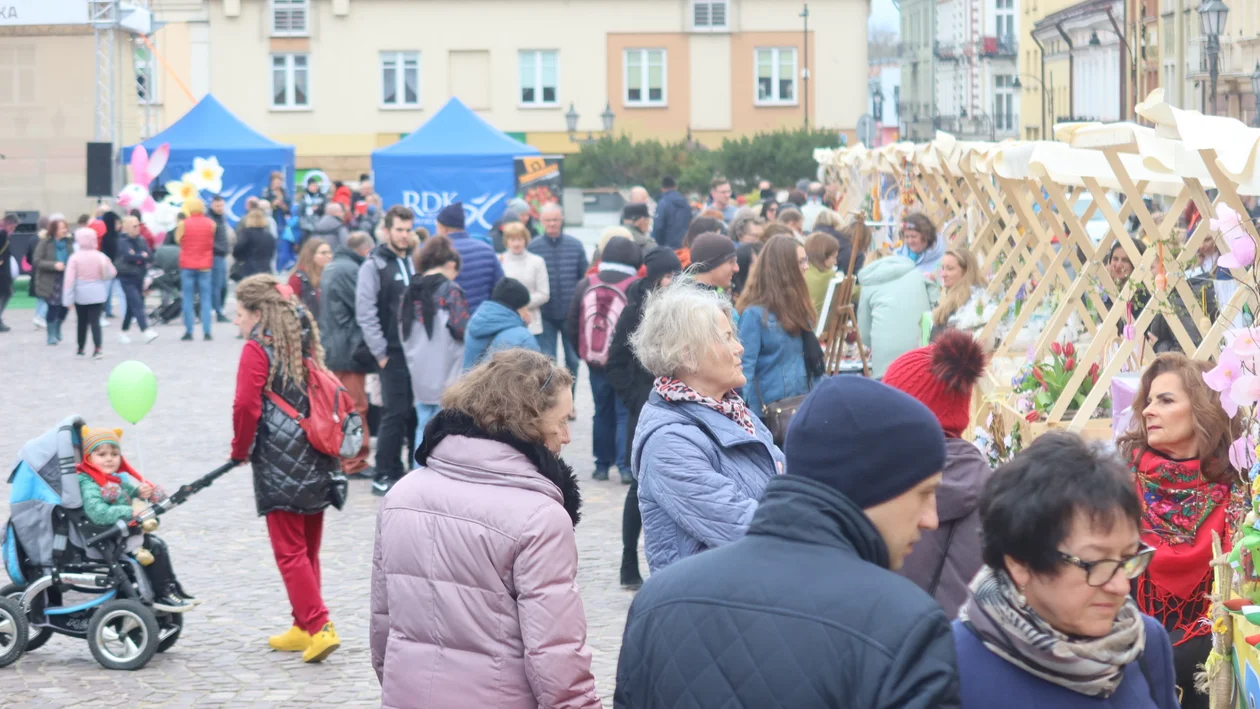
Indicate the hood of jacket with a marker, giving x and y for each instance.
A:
(383, 255)
(328, 224)
(885, 270)
(491, 319)
(86, 239)
(344, 254)
(965, 473)
(801, 509)
(928, 257)
(474, 455)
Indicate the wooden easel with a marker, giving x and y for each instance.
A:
(842, 318)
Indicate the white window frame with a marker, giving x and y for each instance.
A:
(150, 73)
(291, 7)
(775, 78)
(400, 59)
(1004, 92)
(21, 74)
(290, 72)
(644, 102)
(538, 101)
(726, 15)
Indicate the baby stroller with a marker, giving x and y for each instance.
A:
(165, 278)
(50, 549)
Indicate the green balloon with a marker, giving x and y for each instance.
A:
(132, 390)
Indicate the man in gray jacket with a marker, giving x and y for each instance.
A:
(342, 337)
(332, 226)
(383, 278)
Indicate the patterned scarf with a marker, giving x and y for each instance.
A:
(731, 406)
(1000, 616)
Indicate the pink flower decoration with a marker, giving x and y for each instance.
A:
(1242, 252)
(1244, 344)
(1226, 220)
(1128, 331)
(1245, 390)
(1222, 377)
(1242, 454)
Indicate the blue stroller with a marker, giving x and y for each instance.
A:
(50, 549)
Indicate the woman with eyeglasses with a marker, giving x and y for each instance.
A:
(1178, 448)
(1049, 621)
(782, 357)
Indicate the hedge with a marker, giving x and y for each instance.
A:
(783, 157)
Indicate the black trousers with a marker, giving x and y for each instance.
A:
(398, 418)
(1186, 660)
(631, 520)
(161, 574)
(133, 292)
(88, 316)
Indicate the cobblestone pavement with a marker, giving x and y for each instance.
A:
(219, 545)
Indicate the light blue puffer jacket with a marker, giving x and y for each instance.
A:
(700, 476)
(494, 327)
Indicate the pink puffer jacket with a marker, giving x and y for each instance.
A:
(474, 595)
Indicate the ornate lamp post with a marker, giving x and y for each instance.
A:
(571, 120)
(1213, 14)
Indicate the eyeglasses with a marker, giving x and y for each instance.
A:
(1099, 573)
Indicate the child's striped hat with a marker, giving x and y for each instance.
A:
(93, 437)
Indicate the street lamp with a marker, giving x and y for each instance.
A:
(1255, 90)
(571, 120)
(1047, 99)
(1213, 14)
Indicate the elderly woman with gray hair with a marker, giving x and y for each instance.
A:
(700, 456)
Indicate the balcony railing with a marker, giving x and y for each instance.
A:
(1001, 46)
(947, 50)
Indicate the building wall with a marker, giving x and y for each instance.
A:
(1055, 86)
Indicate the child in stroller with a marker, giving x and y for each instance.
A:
(111, 490)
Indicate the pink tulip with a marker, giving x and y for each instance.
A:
(1242, 454)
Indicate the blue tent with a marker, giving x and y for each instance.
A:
(456, 156)
(247, 156)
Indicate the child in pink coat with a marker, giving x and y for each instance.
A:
(89, 274)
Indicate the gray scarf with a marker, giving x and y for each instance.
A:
(1010, 629)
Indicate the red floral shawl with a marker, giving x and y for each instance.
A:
(1180, 510)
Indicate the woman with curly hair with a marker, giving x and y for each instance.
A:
(1178, 447)
(964, 304)
(293, 482)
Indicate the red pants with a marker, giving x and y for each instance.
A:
(353, 382)
(295, 541)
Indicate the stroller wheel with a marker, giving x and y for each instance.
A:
(123, 635)
(35, 640)
(12, 632)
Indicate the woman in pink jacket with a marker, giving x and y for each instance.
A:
(474, 594)
(86, 285)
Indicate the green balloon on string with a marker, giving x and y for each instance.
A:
(132, 390)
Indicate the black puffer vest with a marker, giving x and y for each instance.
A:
(289, 474)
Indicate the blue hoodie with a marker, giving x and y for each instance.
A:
(492, 328)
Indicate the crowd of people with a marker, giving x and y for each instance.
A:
(866, 555)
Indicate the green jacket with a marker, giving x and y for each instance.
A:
(99, 511)
(894, 299)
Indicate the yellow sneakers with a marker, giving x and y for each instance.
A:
(292, 640)
(322, 644)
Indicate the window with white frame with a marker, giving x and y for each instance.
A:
(290, 18)
(1004, 102)
(776, 75)
(540, 74)
(400, 79)
(645, 77)
(290, 81)
(710, 15)
(17, 75)
(146, 77)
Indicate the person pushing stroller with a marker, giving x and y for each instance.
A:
(111, 490)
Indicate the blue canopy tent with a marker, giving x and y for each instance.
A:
(210, 130)
(456, 156)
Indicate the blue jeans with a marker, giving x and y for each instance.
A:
(553, 329)
(424, 412)
(608, 432)
(218, 283)
(115, 288)
(41, 308)
(196, 283)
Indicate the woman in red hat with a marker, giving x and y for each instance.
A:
(942, 376)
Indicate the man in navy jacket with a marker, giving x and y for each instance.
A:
(565, 257)
(673, 216)
(480, 269)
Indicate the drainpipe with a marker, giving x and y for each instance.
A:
(1071, 67)
(1124, 51)
(1041, 51)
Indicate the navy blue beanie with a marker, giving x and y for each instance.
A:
(452, 215)
(867, 440)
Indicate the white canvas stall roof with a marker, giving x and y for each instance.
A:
(1234, 142)
(1069, 166)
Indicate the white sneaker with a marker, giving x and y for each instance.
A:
(104, 321)
(40, 323)
(150, 335)
(122, 337)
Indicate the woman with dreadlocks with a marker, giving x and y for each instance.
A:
(293, 482)
(1178, 447)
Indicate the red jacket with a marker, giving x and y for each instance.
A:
(196, 248)
(251, 380)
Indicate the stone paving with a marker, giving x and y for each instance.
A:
(219, 545)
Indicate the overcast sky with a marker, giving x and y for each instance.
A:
(884, 16)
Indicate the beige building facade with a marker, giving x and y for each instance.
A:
(340, 78)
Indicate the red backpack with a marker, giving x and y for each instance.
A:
(601, 308)
(334, 427)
